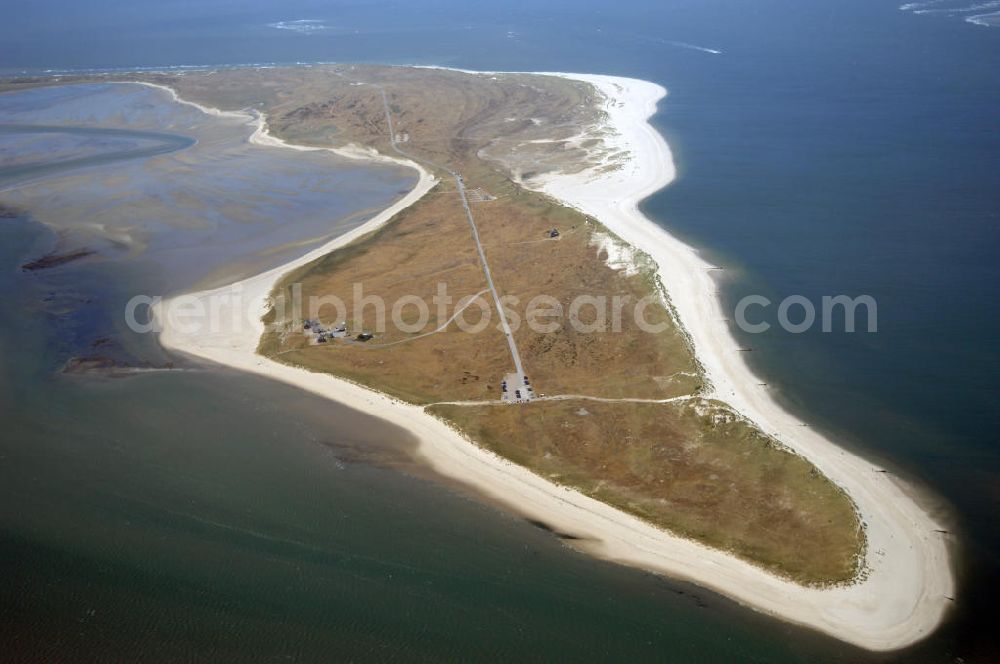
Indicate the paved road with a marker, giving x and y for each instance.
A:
(472, 224)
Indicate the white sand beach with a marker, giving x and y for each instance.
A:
(904, 595)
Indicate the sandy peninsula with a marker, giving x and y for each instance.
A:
(905, 591)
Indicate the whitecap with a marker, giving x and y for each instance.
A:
(703, 49)
(303, 26)
(991, 20)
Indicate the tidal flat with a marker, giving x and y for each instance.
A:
(208, 209)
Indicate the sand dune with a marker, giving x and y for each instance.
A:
(902, 598)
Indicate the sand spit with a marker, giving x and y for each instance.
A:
(903, 595)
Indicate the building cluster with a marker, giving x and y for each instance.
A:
(320, 334)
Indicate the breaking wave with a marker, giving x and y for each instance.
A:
(703, 49)
(978, 13)
(303, 26)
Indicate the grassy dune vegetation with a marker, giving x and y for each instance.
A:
(430, 244)
(691, 466)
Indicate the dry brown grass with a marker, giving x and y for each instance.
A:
(431, 244)
(699, 472)
(425, 246)
(692, 467)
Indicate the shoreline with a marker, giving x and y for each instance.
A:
(902, 546)
(901, 600)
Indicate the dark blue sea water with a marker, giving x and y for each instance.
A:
(823, 148)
